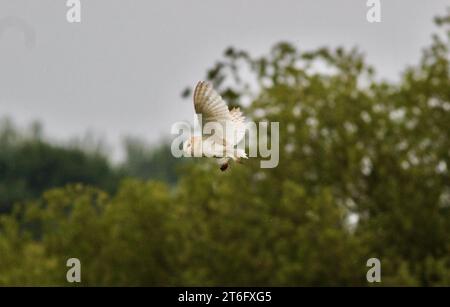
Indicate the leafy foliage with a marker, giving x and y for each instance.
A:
(150, 162)
(30, 165)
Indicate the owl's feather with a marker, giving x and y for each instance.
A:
(213, 109)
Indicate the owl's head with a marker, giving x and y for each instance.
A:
(188, 147)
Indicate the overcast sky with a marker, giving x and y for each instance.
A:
(122, 69)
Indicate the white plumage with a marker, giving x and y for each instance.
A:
(227, 127)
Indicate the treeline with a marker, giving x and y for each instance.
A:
(30, 164)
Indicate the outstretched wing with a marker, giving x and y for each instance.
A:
(212, 107)
(238, 126)
(209, 104)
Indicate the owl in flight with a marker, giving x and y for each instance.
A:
(226, 128)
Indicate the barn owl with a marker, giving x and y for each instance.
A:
(227, 128)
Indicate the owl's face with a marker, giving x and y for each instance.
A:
(188, 147)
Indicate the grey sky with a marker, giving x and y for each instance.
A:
(121, 70)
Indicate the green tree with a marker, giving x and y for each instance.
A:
(150, 162)
(29, 165)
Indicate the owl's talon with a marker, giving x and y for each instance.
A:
(223, 167)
